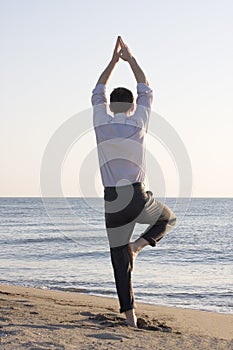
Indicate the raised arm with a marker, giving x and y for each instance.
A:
(103, 79)
(126, 55)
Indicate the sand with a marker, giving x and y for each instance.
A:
(39, 319)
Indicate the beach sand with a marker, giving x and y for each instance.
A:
(39, 319)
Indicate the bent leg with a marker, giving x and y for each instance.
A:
(155, 232)
(160, 219)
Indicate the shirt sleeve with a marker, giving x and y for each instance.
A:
(143, 105)
(145, 95)
(99, 103)
(99, 95)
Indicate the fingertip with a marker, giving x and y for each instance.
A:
(119, 39)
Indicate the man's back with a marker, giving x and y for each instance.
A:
(121, 139)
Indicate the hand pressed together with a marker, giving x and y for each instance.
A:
(121, 50)
(125, 53)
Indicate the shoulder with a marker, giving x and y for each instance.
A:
(100, 115)
(141, 117)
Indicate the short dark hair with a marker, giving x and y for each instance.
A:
(121, 100)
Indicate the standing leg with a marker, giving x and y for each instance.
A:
(122, 269)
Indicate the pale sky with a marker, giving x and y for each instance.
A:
(52, 52)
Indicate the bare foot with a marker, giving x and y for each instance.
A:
(134, 248)
(131, 318)
(132, 254)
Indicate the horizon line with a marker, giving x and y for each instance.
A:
(102, 197)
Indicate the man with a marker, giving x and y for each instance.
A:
(121, 151)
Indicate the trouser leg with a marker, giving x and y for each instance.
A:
(119, 237)
(156, 232)
(122, 273)
(160, 219)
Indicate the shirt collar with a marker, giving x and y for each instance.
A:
(119, 118)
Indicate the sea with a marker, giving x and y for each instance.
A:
(61, 244)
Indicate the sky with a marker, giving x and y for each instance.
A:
(52, 52)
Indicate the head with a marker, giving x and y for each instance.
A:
(121, 101)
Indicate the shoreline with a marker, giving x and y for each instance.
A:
(86, 292)
(45, 318)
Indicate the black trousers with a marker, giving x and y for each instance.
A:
(124, 207)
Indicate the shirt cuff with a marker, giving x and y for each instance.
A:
(99, 89)
(142, 87)
(99, 95)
